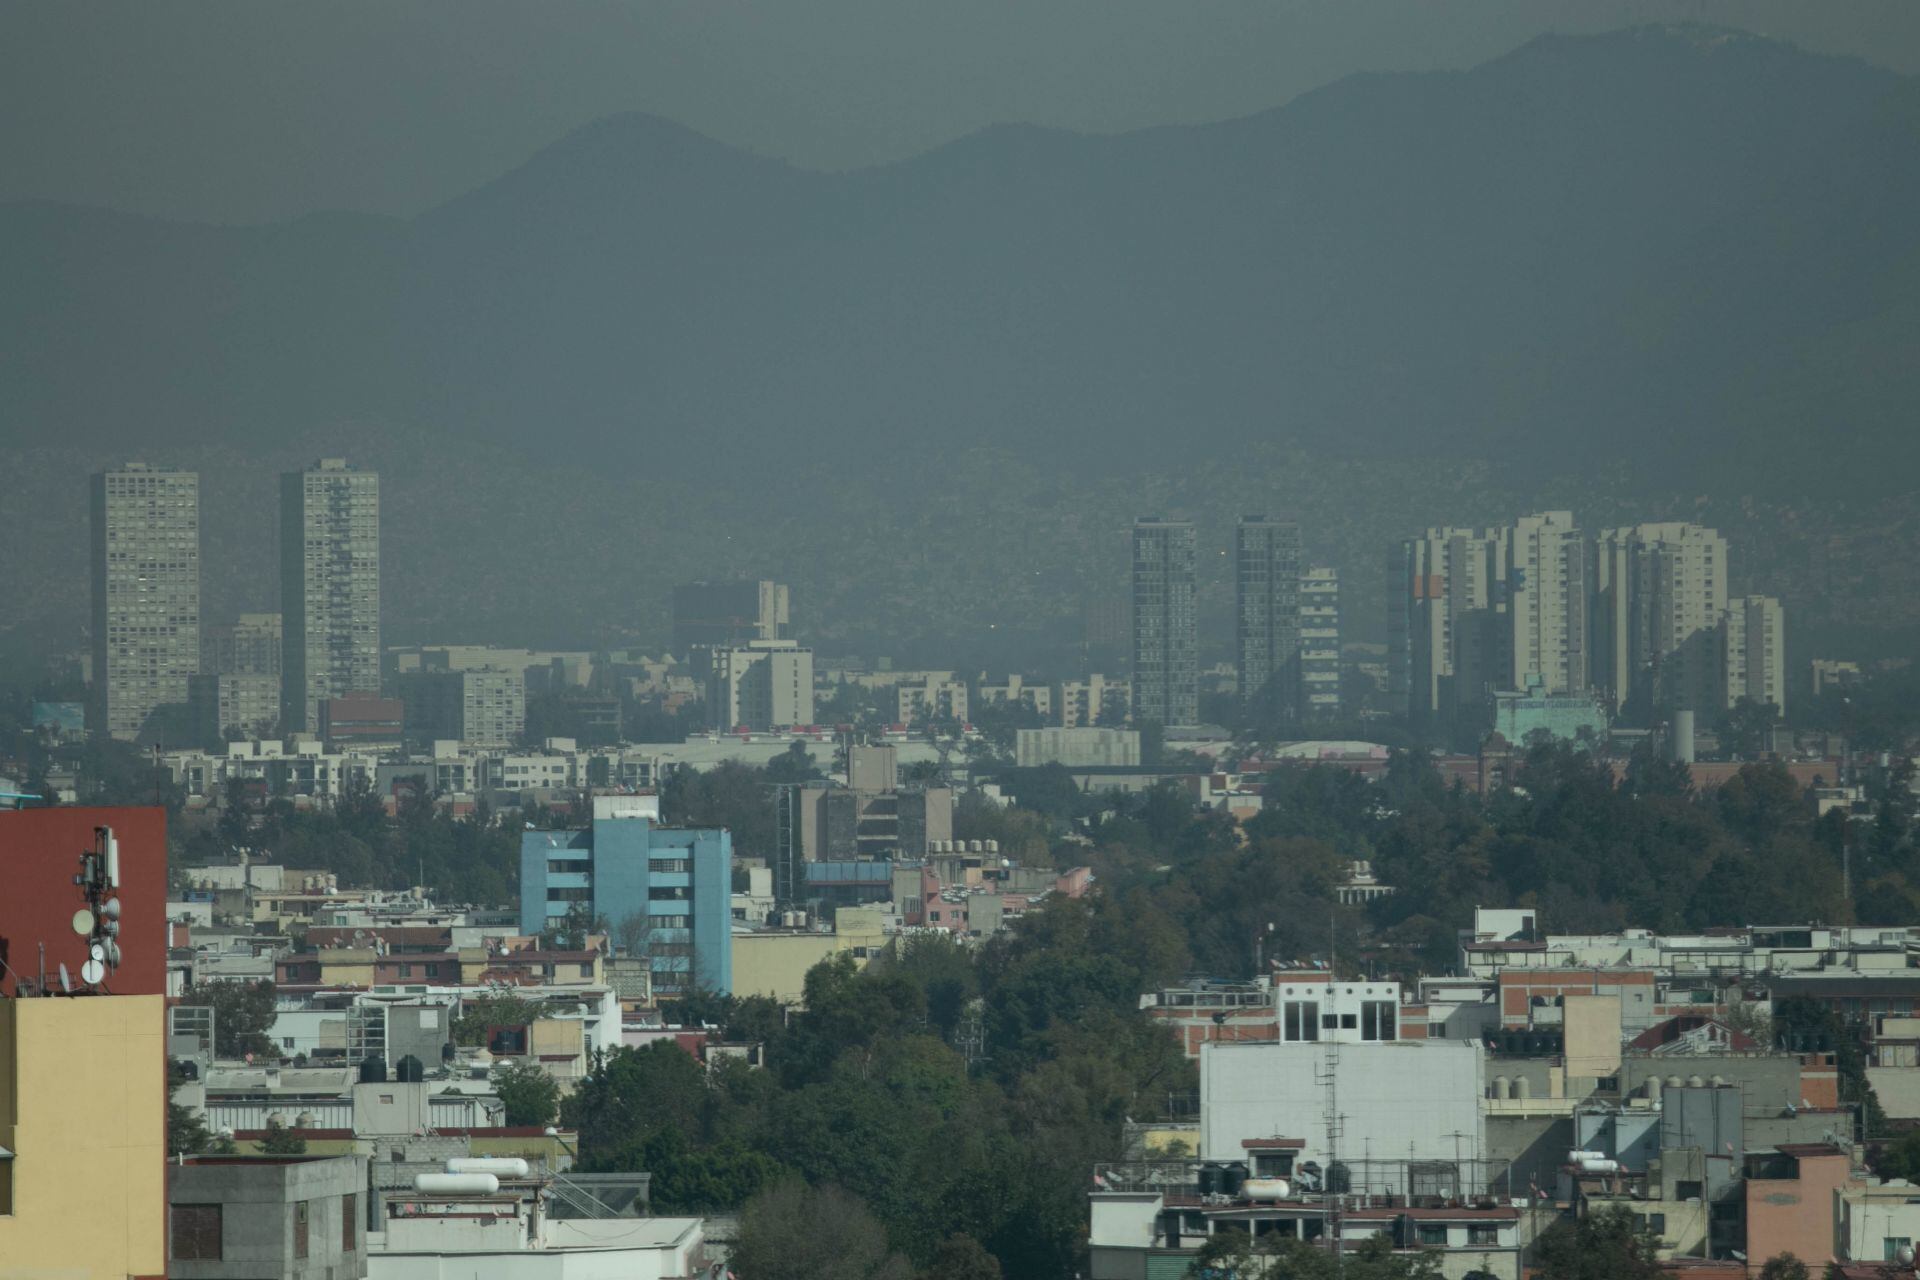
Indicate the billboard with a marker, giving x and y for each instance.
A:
(67, 717)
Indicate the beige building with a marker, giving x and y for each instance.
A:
(1753, 652)
(1077, 703)
(1077, 748)
(485, 707)
(1441, 616)
(932, 698)
(1035, 697)
(83, 1119)
(1659, 591)
(774, 962)
(248, 646)
(241, 706)
(1546, 605)
(762, 684)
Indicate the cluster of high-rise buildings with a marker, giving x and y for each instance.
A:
(1639, 619)
(152, 655)
(1286, 623)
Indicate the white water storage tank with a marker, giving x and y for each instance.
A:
(499, 1166)
(456, 1184)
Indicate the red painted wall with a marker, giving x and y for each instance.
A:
(39, 856)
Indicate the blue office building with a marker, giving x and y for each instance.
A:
(679, 878)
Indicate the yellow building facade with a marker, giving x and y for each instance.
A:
(83, 1110)
(774, 963)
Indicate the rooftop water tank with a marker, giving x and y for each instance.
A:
(456, 1184)
(499, 1166)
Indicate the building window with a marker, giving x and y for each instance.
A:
(1378, 1019)
(1483, 1234)
(349, 1210)
(1301, 1020)
(1433, 1235)
(1688, 1191)
(1656, 1222)
(300, 1229)
(196, 1232)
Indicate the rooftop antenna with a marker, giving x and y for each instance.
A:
(99, 921)
(1330, 1066)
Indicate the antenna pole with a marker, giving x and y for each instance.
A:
(1333, 1097)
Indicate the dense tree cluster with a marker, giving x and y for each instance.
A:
(474, 860)
(1594, 852)
(961, 1095)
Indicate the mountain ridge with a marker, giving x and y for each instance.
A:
(1676, 261)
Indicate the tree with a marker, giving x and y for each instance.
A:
(282, 1141)
(634, 933)
(1784, 1266)
(795, 764)
(1746, 729)
(187, 1133)
(632, 1095)
(960, 1257)
(495, 1009)
(796, 1232)
(242, 1013)
(530, 1096)
(1235, 1255)
(1612, 1245)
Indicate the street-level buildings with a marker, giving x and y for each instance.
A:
(329, 587)
(146, 595)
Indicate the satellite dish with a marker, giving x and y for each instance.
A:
(97, 952)
(92, 971)
(66, 983)
(110, 908)
(83, 922)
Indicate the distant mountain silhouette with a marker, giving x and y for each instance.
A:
(1688, 256)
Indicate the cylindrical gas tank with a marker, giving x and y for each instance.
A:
(456, 1184)
(499, 1166)
(1266, 1189)
(1599, 1166)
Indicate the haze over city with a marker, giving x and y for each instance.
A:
(1222, 641)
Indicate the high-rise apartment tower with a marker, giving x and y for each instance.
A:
(329, 588)
(146, 595)
(1166, 641)
(1266, 559)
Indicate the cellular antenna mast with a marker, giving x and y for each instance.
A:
(1330, 1078)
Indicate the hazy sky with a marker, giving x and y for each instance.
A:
(247, 110)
